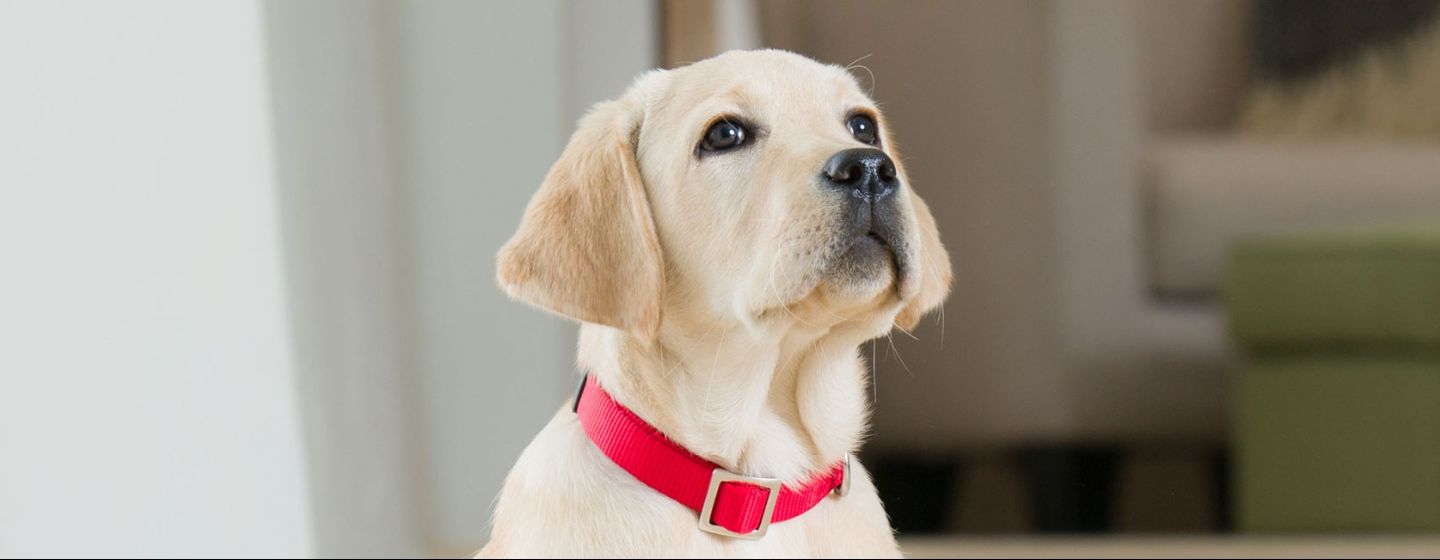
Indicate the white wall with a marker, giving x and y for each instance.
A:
(347, 266)
(479, 104)
(248, 302)
(147, 404)
(485, 95)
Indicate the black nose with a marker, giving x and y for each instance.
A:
(865, 172)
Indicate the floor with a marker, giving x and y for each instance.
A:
(1174, 547)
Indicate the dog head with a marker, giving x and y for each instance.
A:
(752, 186)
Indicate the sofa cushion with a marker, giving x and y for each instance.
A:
(1342, 442)
(1374, 286)
(1202, 194)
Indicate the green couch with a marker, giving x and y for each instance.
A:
(1337, 416)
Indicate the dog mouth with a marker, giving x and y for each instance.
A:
(865, 257)
(875, 229)
(875, 245)
(871, 253)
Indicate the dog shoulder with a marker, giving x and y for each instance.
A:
(564, 498)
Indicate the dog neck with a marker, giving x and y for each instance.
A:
(782, 400)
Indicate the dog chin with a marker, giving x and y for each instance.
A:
(863, 273)
(862, 277)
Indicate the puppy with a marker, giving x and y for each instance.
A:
(728, 233)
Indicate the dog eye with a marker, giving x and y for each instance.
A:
(863, 128)
(724, 135)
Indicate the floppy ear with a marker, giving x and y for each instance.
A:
(933, 269)
(587, 248)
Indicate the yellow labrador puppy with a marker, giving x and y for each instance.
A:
(729, 233)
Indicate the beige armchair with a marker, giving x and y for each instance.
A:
(1079, 162)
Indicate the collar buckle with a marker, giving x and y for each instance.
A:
(721, 476)
(844, 488)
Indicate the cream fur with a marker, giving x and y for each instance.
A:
(711, 308)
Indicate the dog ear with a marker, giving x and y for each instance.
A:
(587, 247)
(933, 270)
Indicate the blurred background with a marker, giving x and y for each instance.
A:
(248, 305)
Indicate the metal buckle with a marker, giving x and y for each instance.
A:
(721, 476)
(844, 487)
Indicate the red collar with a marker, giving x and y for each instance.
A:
(729, 504)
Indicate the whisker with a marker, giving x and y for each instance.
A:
(897, 356)
(941, 320)
(874, 375)
(856, 64)
(710, 381)
(825, 309)
(857, 61)
(775, 292)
